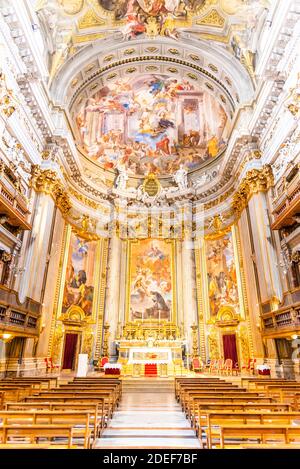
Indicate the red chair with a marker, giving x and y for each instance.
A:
(50, 365)
(197, 365)
(250, 366)
(102, 362)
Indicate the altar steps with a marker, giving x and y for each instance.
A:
(148, 384)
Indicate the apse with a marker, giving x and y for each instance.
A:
(151, 123)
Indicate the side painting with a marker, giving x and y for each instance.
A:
(79, 283)
(221, 273)
(150, 280)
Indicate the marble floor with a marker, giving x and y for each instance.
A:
(148, 419)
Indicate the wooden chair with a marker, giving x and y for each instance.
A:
(227, 368)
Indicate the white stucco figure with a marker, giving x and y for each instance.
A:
(122, 178)
(180, 177)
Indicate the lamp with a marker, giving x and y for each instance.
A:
(6, 337)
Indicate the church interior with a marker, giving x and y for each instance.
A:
(149, 224)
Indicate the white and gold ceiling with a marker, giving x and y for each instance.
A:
(151, 84)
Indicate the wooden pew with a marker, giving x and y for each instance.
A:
(109, 399)
(95, 409)
(192, 397)
(115, 390)
(209, 418)
(87, 399)
(1, 399)
(261, 382)
(33, 417)
(263, 433)
(236, 407)
(186, 389)
(35, 432)
(35, 382)
(182, 382)
(15, 392)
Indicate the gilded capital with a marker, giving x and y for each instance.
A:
(47, 181)
(256, 180)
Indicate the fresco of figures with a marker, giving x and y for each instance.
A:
(150, 280)
(151, 124)
(150, 16)
(221, 274)
(79, 283)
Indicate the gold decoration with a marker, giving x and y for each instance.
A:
(213, 67)
(108, 58)
(192, 76)
(152, 27)
(151, 185)
(57, 343)
(105, 340)
(195, 340)
(129, 51)
(213, 18)
(90, 20)
(131, 70)
(87, 38)
(227, 317)
(111, 76)
(194, 57)
(244, 343)
(47, 181)
(174, 51)
(8, 103)
(213, 345)
(256, 180)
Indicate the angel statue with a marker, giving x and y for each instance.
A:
(180, 177)
(122, 177)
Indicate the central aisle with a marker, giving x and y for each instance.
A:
(148, 417)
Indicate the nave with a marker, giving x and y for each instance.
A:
(209, 412)
(148, 416)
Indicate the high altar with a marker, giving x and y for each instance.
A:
(151, 343)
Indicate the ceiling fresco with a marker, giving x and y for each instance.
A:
(152, 123)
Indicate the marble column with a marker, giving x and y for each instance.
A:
(188, 289)
(112, 302)
(265, 253)
(36, 249)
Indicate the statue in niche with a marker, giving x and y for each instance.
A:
(180, 177)
(122, 177)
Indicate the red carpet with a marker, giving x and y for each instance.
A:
(151, 369)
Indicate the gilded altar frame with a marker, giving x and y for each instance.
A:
(173, 316)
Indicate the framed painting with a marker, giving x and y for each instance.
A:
(150, 285)
(79, 286)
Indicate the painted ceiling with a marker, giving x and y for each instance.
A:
(151, 84)
(151, 123)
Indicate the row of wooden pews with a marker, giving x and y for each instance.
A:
(224, 415)
(42, 413)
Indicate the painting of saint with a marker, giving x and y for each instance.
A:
(79, 283)
(221, 274)
(151, 123)
(151, 280)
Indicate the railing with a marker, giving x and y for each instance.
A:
(283, 320)
(286, 200)
(13, 203)
(18, 321)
